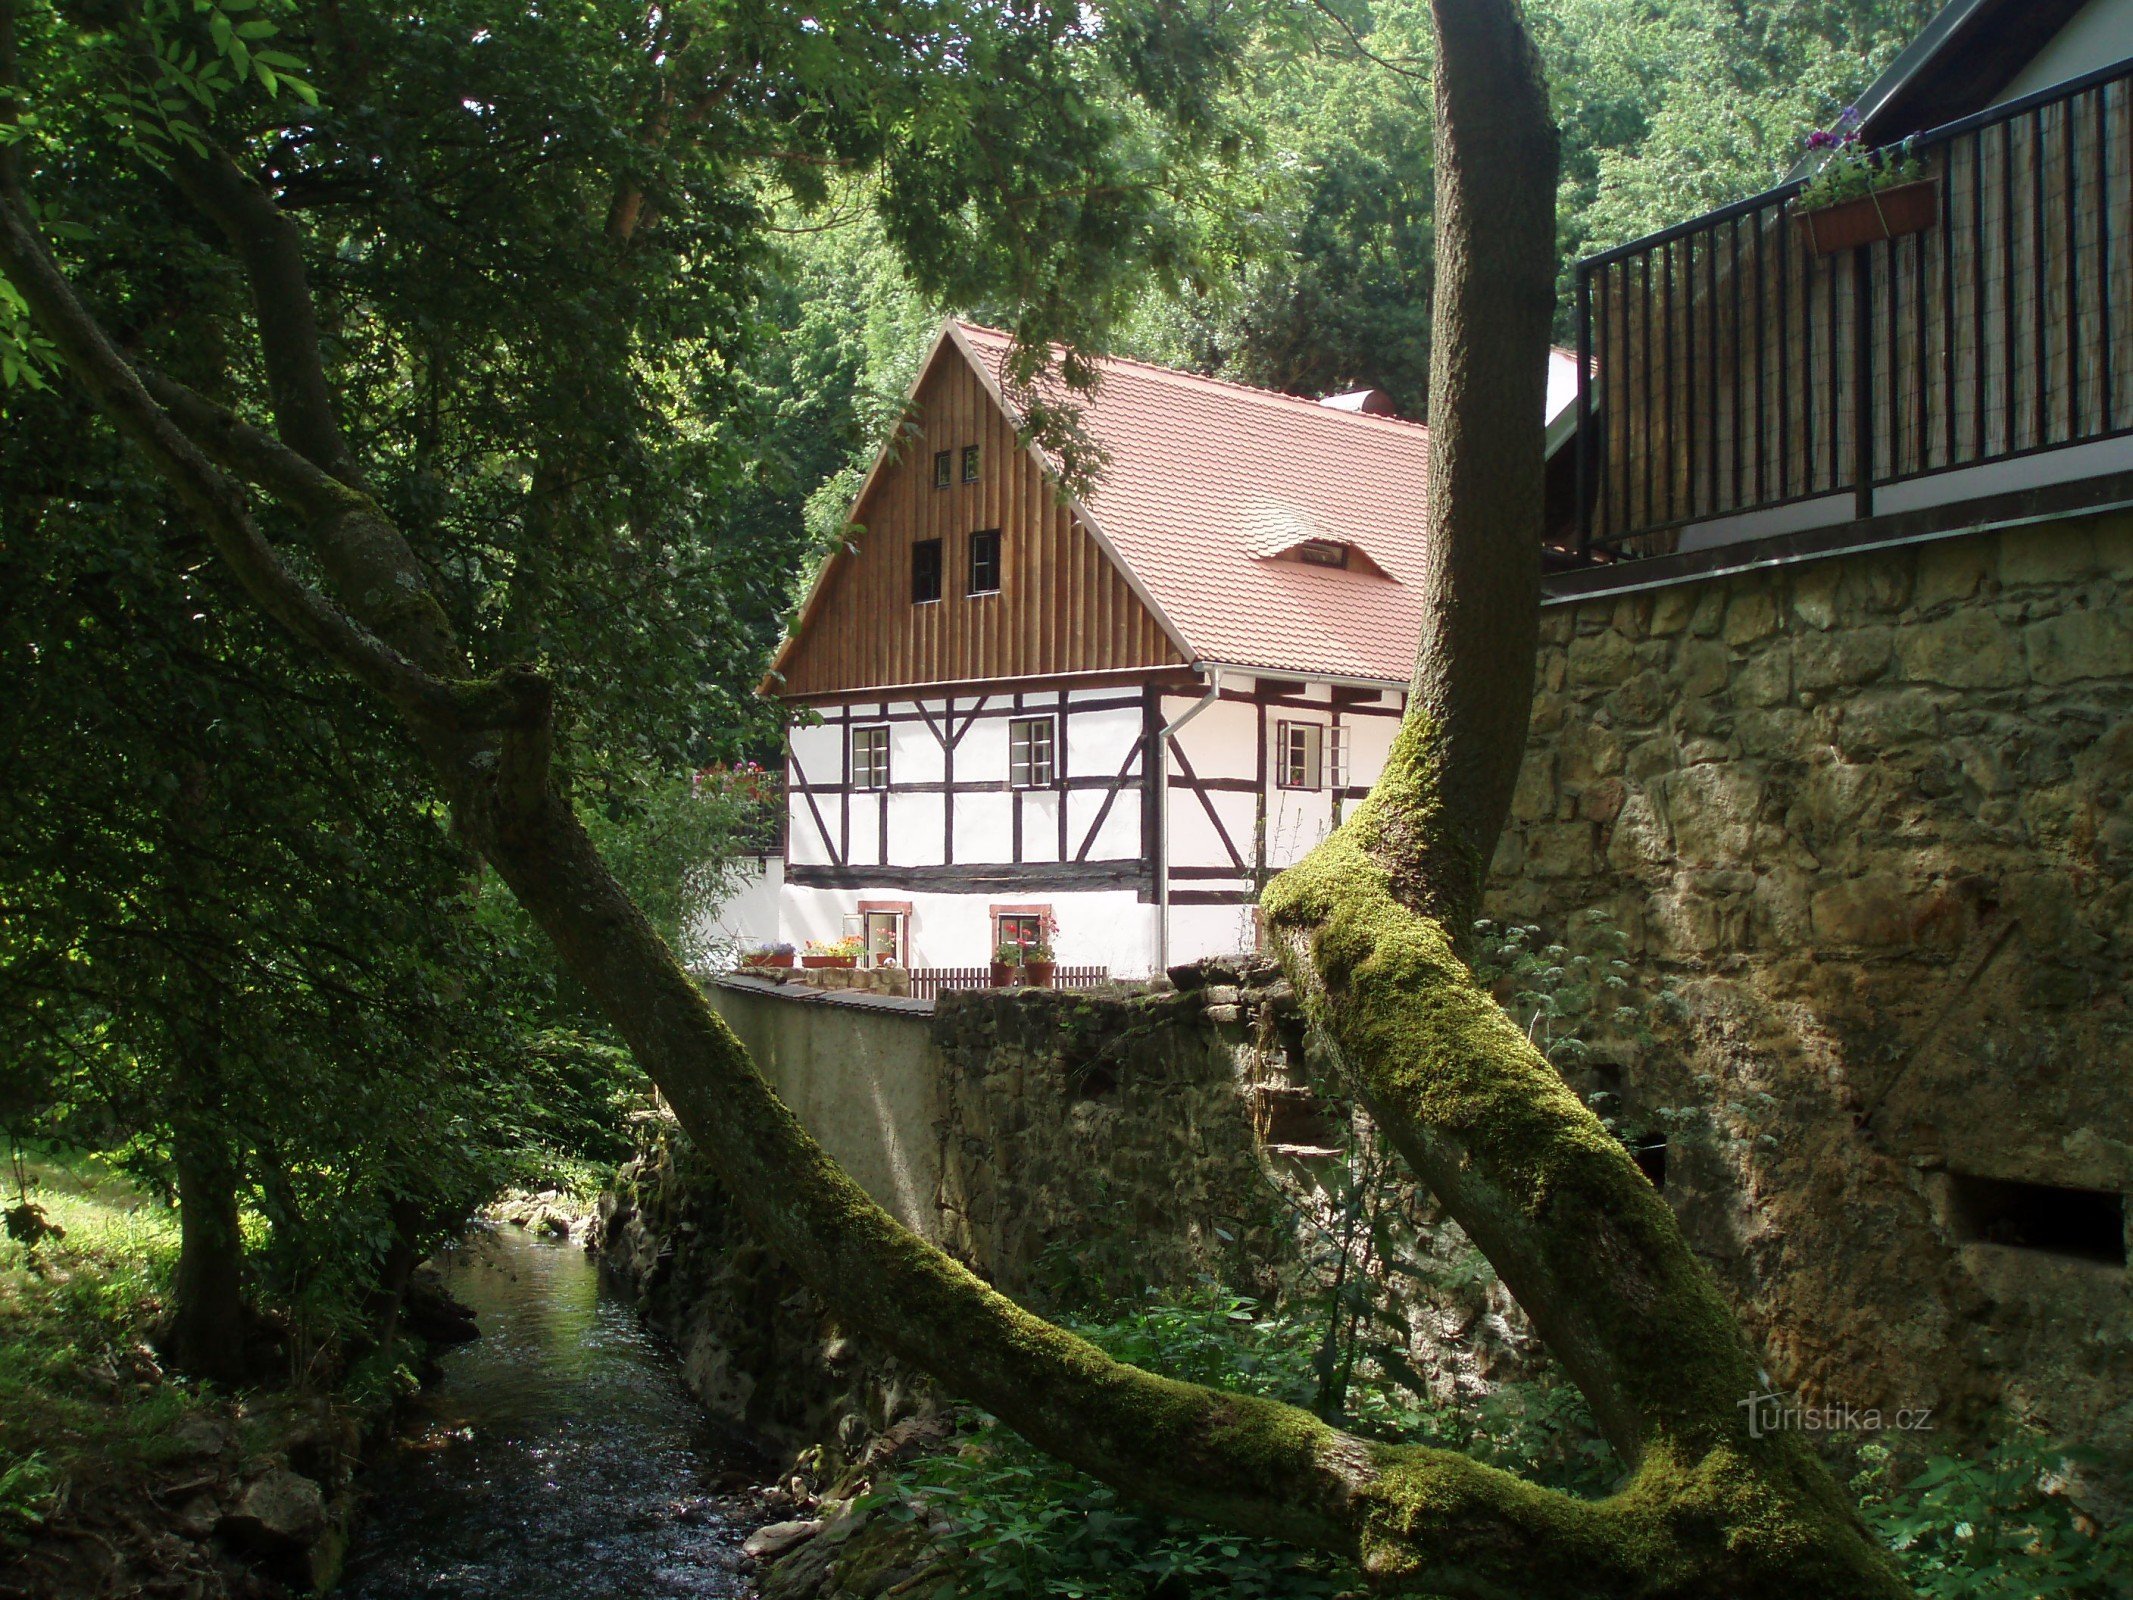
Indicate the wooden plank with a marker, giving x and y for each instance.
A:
(1063, 606)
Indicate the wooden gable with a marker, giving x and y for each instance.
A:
(1064, 603)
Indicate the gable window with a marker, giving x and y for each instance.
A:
(870, 758)
(1029, 752)
(1298, 751)
(943, 467)
(985, 562)
(1337, 762)
(970, 463)
(925, 571)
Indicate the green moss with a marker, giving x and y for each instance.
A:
(1573, 1228)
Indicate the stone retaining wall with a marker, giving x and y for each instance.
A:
(1060, 1144)
(1869, 816)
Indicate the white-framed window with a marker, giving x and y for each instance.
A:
(1337, 762)
(870, 757)
(882, 928)
(1028, 926)
(1031, 742)
(984, 562)
(1299, 751)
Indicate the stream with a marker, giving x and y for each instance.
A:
(558, 1458)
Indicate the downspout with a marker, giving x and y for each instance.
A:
(1162, 816)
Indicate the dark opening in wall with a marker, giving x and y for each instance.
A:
(2088, 1224)
(1650, 1155)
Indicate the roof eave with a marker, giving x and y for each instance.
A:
(1338, 680)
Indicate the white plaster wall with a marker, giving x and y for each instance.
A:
(1112, 928)
(1369, 743)
(982, 756)
(747, 916)
(818, 753)
(1098, 743)
(914, 753)
(864, 828)
(1040, 825)
(2100, 34)
(917, 836)
(1221, 742)
(984, 824)
(1197, 932)
(1097, 928)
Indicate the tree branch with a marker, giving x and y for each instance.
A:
(271, 247)
(1369, 925)
(205, 490)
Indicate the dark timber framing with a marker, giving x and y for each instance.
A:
(949, 718)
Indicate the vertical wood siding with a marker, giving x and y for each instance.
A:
(1062, 605)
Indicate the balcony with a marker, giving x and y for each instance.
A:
(1736, 386)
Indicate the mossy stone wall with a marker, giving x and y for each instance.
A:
(1869, 817)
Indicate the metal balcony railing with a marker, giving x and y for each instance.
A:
(1726, 369)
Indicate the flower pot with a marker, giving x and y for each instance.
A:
(829, 961)
(1037, 974)
(773, 959)
(1884, 214)
(1003, 975)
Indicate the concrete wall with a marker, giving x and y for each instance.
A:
(1869, 817)
(862, 1075)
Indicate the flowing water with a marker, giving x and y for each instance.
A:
(557, 1459)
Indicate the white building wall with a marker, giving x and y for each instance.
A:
(1111, 928)
(2100, 34)
(749, 914)
(1222, 837)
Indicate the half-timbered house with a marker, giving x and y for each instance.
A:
(1101, 720)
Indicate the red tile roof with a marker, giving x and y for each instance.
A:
(1208, 481)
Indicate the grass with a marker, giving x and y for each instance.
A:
(81, 1395)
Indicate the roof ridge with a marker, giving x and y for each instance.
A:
(1248, 390)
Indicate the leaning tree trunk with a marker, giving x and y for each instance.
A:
(1368, 922)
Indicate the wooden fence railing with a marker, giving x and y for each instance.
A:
(927, 982)
(1727, 368)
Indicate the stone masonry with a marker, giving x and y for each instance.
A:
(1869, 816)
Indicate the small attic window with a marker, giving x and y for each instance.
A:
(943, 468)
(970, 463)
(1339, 554)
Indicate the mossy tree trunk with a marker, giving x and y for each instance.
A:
(1547, 1195)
